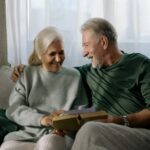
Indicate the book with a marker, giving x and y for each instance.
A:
(74, 119)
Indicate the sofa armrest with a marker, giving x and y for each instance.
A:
(6, 85)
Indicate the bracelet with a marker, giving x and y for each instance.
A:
(126, 121)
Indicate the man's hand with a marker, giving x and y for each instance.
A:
(17, 72)
(112, 119)
(139, 119)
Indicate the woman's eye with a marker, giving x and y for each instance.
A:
(61, 53)
(52, 54)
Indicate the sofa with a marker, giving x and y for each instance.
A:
(6, 85)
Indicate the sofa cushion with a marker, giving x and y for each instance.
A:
(6, 85)
(6, 125)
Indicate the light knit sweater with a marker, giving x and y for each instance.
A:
(39, 92)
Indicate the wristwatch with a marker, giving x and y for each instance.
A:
(126, 121)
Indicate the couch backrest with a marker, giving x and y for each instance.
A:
(6, 85)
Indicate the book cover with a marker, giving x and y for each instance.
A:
(74, 119)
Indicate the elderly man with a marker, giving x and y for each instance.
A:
(118, 83)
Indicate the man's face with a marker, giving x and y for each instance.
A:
(92, 48)
(53, 58)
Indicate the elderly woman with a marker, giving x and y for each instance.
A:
(39, 93)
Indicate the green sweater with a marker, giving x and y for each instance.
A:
(39, 92)
(122, 88)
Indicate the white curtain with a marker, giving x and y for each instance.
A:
(25, 18)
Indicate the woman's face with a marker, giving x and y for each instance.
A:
(53, 58)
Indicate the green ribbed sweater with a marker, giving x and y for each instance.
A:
(122, 88)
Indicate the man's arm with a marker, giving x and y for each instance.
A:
(139, 119)
(17, 72)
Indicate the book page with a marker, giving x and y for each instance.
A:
(93, 116)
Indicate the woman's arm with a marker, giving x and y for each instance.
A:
(19, 109)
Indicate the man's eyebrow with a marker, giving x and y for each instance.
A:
(85, 43)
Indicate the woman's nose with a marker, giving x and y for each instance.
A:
(57, 58)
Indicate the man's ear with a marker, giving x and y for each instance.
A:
(104, 42)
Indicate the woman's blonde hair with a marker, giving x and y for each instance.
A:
(34, 59)
(44, 38)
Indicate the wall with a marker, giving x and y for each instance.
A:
(3, 38)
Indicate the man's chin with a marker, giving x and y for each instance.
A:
(96, 66)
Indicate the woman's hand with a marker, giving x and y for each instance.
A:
(58, 132)
(47, 120)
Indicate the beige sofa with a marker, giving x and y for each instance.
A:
(6, 85)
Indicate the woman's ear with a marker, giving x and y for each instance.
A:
(39, 56)
(104, 42)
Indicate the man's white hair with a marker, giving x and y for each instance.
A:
(99, 27)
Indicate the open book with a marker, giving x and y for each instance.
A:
(74, 119)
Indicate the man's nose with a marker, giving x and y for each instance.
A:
(85, 53)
